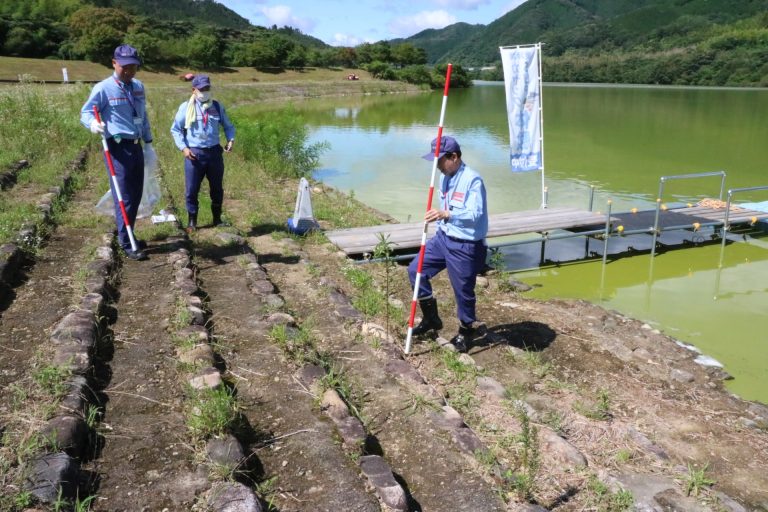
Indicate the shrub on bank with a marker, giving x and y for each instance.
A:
(277, 142)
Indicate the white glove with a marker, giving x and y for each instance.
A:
(97, 127)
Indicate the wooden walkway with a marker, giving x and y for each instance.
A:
(737, 215)
(363, 240)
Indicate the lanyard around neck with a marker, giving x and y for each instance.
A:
(203, 113)
(128, 94)
(446, 197)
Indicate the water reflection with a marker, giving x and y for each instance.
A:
(619, 140)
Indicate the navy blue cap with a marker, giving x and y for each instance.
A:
(126, 54)
(447, 145)
(201, 81)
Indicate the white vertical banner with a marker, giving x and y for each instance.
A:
(522, 82)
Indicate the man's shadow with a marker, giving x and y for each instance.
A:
(528, 335)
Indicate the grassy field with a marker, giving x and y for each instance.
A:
(50, 70)
(47, 132)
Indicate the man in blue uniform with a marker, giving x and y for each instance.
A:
(458, 245)
(195, 131)
(122, 106)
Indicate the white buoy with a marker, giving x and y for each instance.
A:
(303, 220)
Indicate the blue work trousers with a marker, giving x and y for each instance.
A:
(464, 260)
(128, 161)
(209, 164)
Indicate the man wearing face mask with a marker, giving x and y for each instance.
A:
(195, 131)
(123, 110)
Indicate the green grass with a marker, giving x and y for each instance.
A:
(697, 480)
(298, 344)
(599, 410)
(52, 379)
(419, 403)
(50, 69)
(457, 370)
(600, 497)
(46, 132)
(536, 364)
(46, 129)
(267, 489)
(350, 392)
(211, 412)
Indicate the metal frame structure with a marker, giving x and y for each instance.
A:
(608, 230)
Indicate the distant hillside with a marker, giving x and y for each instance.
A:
(571, 24)
(439, 43)
(198, 11)
(202, 34)
(706, 42)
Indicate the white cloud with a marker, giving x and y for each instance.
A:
(348, 40)
(281, 15)
(511, 6)
(462, 5)
(406, 26)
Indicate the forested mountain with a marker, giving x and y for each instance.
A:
(198, 11)
(691, 42)
(440, 42)
(199, 33)
(703, 42)
(574, 24)
(195, 11)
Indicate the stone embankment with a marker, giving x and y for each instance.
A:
(236, 373)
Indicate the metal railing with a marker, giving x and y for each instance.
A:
(731, 192)
(662, 181)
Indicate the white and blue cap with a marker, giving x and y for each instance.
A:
(126, 54)
(447, 145)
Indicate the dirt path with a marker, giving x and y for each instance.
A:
(559, 405)
(146, 460)
(436, 473)
(43, 297)
(43, 289)
(305, 465)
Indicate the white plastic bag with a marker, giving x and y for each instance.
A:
(150, 195)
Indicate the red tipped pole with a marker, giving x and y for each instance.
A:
(115, 186)
(429, 206)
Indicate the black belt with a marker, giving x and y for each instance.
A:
(460, 240)
(125, 140)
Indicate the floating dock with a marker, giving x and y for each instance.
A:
(363, 240)
(571, 222)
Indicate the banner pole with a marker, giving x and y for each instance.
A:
(429, 206)
(541, 130)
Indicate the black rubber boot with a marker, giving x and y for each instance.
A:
(192, 223)
(430, 320)
(216, 211)
(464, 338)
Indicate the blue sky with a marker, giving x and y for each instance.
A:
(349, 23)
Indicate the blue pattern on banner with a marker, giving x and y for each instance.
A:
(521, 73)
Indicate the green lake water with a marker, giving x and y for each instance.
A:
(619, 140)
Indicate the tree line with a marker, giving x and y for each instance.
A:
(67, 30)
(690, 51)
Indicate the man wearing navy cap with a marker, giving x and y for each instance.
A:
(122, 106)
(459, 244)
(195, 131)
